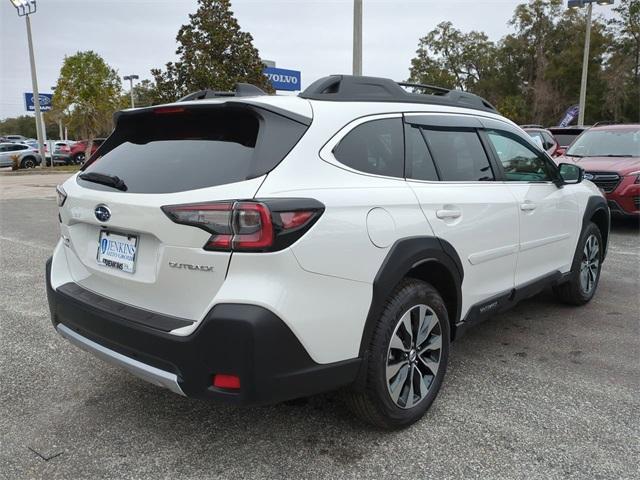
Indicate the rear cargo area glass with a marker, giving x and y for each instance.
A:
(166, 150)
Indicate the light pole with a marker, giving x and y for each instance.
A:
(131, 78)
(25, 8)
(357, 37)
(575, 4)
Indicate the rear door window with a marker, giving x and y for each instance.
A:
(419, 163)
(375, 147)
(180, 149)
(459, 155)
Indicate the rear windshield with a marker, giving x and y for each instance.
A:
(607, 143)
(177, 149)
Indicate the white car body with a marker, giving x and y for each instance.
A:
(507, 235)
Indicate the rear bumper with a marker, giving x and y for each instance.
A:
(233, 339)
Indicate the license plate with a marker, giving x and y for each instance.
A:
(116, 250)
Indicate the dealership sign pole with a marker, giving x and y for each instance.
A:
(25, 8)
(575, 4)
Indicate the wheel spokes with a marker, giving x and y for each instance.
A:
(434, 343)
(394, 368)
(396, 386)
(413, 356)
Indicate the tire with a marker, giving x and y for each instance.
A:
(78, 158)
(585, 269)
(28, 162)
(386, 402)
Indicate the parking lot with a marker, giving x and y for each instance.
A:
(543, 391)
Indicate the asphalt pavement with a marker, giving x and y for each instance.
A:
(543, 391)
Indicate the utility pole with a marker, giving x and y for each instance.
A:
(357, 37)
(585, 68)
(131, 78)
(576, 4)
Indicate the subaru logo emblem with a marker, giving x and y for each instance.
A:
(102, 213)
(588, 176)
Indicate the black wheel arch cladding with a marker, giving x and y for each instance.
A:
(597, 211)
(405, 255)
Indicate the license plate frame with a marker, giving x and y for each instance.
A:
(129, 265)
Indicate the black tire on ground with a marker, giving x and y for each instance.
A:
(584, 276)
(78, 158)
(429, 351)
(28, 162)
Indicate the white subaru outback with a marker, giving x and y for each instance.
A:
(254, 249)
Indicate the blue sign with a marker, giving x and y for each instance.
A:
(45, 101)
(282, 79)
(569, 116)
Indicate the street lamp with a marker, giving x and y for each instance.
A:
(357, 37)
(576, 4)
(131, 78)
(26, 8)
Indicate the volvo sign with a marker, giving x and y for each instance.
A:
(282, 79)
(45, 101)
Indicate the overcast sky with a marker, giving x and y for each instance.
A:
(313, 36)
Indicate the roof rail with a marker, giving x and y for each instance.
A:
(531, 125)
(242, 90)
(350, 88)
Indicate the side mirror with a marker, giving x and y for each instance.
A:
(570, 173)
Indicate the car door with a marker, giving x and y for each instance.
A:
(450, 172)
(4, 155)
(548, 214)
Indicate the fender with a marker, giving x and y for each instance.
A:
(594, 205)
(404, 255)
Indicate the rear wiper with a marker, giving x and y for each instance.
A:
(103, 179)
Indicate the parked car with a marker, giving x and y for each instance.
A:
(610, 156)
(78, 149)
(27, 156)
(17, 138)
(62, 152)
(544, 138)
(257, 249)
(565, 136)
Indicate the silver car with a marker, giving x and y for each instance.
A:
(27, 156)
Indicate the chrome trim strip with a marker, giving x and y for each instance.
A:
(141, 370)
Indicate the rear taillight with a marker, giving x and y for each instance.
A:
(249, 226)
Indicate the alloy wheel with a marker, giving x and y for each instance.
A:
(590, 264)
(413, 356)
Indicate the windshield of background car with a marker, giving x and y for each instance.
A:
(607, 143)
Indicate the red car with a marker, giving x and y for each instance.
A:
(610, 156)
(78, 149)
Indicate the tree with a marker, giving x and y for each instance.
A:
(25, 125)
(213, 54)
(533, 74)
(87, 93)
(450, 58)
(624, 61)
(145, 94)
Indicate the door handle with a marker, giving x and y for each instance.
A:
(448, 213)
(528, 206)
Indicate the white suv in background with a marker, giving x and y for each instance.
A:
(254, 248)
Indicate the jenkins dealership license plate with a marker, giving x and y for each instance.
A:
(116, 250)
